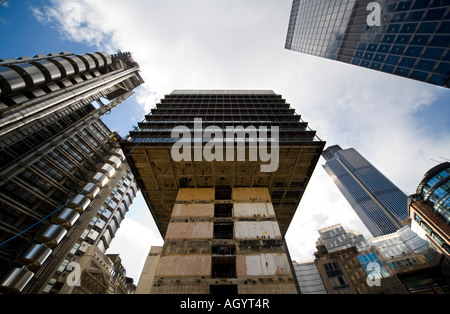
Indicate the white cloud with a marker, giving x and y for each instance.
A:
(204, 44)
(132, 243)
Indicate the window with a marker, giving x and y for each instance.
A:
(366, 263)
(223, 230)
(223, 193)
(223, 210)
(223, 267)
(336, 278)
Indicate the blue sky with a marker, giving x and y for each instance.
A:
(400, 125)
(22, 35)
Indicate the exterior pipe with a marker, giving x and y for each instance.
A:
(16, 120)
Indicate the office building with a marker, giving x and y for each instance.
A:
(397, 263)
(100, 274)
(59, 162)
(222, 202)
(145, 283)
(380, 205)
(429, 208)
(308, 278)
(405, 38)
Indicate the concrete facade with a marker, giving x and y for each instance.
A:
(206, 250)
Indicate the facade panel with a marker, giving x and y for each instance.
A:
(404, 38)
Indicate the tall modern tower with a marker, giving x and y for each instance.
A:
(61, 168)
(223, 172)
(406, 38)
(429, 208)
(380, 205)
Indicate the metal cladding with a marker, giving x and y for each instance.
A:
(35, 256)
(100, 179)
(91, 190)
(15, 280)
(10, 81)
(52, 235)
(115, 161)
(28, 73)
(79, 203)
(50, 121)
(31, 74)
(108, 170)
(67, 218)
(119, 153)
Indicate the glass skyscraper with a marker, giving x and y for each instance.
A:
(381, 205)
(411, 38)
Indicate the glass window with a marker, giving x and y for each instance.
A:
(425, 65)
(362, 46)
(372, 47)
(358, 54)
(407, 62)
(420, 40)
(384, 48)
(413, 51)
(419, 75)
(440, 41)
(438, 79)
(365, 261)
(443, 68)
(392, 60)
(375, 66)
(399, 17)
(398, 49)
(421, 4)
(427, 27)
(404, 6)
(415, 16)
(444, 28)
(402, 71)
(379, 57)
(387, 68)
(409, 28)
(433, 53)
(388, 39)
(435, 14)
(403, 39)
(368, 55)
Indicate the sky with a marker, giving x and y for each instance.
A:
(400, 125)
